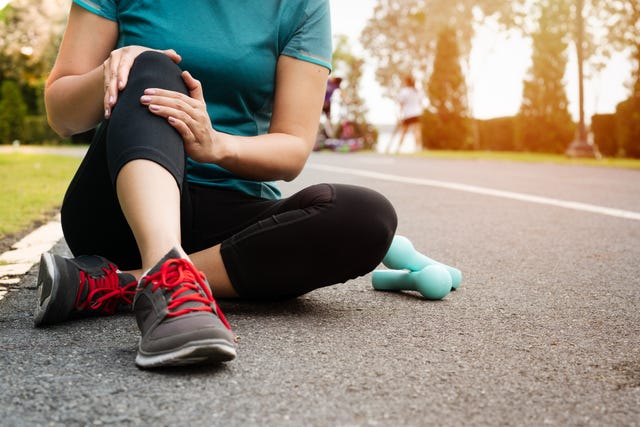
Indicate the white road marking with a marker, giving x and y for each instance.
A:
(584, 207)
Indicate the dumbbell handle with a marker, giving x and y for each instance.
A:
(393, 280)
(433, 282)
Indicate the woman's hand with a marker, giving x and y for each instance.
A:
(279, 154)
(188, 115)
(116, 70)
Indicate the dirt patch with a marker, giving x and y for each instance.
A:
(7, 241)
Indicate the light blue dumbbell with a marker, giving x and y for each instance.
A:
(433, 281)
(402, 255)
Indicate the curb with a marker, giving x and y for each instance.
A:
(24, 254)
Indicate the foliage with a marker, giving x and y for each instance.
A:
(628, 124)
(545, 123)
(37, 131)
(623, 24)
(447, 93)
(401, 36)
(603, 127)
(621, 19)
(348, 66)
(31, 30)
(497, 134)
(446, 89)
(12, 112)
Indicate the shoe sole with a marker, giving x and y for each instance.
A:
(193, 353)
(47, 288)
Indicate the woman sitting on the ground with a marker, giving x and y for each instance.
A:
(198, 115)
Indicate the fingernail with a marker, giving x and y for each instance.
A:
(154, 107)
(120, 84)
(149, 91)
(145, 99)
(111, 100)
(106, 113)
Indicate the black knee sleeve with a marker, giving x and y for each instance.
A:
(133, 131)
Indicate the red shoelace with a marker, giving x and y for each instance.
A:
(104, 292)
(188, 285)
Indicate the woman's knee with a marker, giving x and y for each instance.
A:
(133, 131)
(149, 70)
(368, 215)
(154, 59)
(155, 69)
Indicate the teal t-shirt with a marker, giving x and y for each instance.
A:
(232, 47)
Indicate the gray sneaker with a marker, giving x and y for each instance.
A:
(180, 322)
(88, 285)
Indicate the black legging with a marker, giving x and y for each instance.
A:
(322, 235)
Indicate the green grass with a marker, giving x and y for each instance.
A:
(32, 186)
(529, 157)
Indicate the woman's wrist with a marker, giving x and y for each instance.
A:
(223, 148)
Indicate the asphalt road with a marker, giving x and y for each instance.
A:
(544, 330)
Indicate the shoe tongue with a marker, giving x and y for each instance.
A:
(174, 254)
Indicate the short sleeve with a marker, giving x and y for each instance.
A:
(105, 8)
(312, 38)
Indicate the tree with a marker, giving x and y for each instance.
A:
(447, 95)
(31, 30)
(12, 112)
(349, 67)
(401, 35)
(545, 122)
(622, 20)
(628, 120)
(30, 33)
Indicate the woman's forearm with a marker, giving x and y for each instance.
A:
(75, 102)
(269, 157)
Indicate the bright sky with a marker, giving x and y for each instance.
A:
(498, 67)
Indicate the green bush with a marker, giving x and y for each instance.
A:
(13, 111)
(497, 134)
(446, 131)
(37, 131)
(628, 127)
(605, 138)
(545, 133)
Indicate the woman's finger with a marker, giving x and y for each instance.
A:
(124, 67)
(173, 101)
(182, 128)
(169, 96)
(105, 101)
(194, 86)
(175, 57)
(110, 85)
